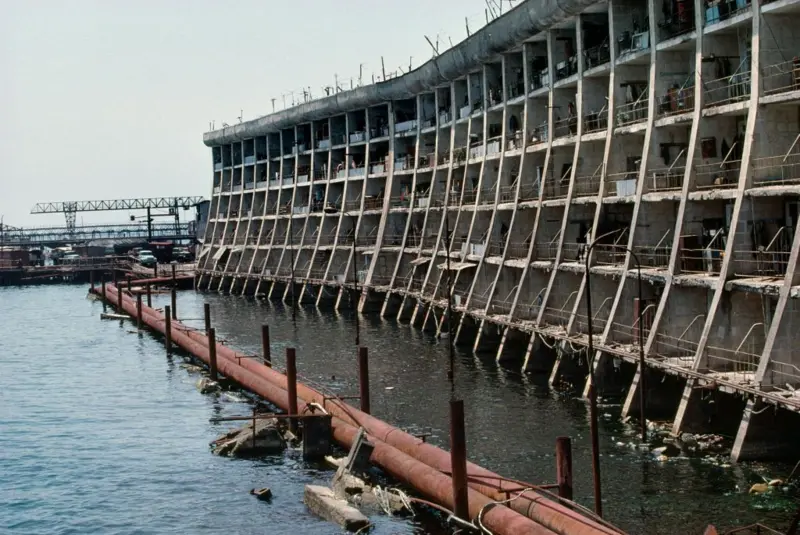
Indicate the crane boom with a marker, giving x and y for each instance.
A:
(114, 204)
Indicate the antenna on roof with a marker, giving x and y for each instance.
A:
(241, 114)
(360, 73)
(273, 105)
(466, 21)
(434, 47)
(383, 69)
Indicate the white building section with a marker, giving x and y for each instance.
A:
(665, 128)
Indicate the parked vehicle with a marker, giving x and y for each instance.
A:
(146, 258)
(70, 258)
(181, 254)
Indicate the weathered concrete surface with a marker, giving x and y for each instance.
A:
(241, 443)
(323, 502)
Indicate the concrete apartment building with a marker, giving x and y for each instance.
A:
(663, 128)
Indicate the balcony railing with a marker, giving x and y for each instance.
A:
(633, 112)
(250, 159)
(321, 174)
(540, 133)
(718, 175)
(557, 188)
(547, 251)
(678, 99)
(596, 122)
(762, 263)
(587, 186)
(713, 14)
(777, 170)
(666, 179)
(261, 184)
(782, 77)
(338, 139)
(565, 127)
(671, 347)
(740, 365)
(358, 137)
(556, 317)
(377, 168)
(215, 190)
(324, 144)
(706, 260)
(515, 89)
(728, 89)
(540, 79)
(566, 68)
(656, 256)
(621, 184)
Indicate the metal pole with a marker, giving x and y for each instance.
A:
(174, 276)
(149, 295)
(291, 387)
(598, 503)
(356, 297)
(119, 299)
(103, 289)
(128, 279)
(139, 311)
(207, 316)
(265, 349)
(212, 352)
(174, 301)
(363, 379)
(564, 467)
(149, 227)
(168, 329)
(458, 460)
(451, 370)
(291, 254)
(642, 381)
(91, 278)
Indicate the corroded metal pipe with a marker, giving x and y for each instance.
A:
(546, 512)
(422, 477)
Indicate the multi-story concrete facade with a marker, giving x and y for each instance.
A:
(666, 128)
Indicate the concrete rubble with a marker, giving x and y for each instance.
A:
(242, 443)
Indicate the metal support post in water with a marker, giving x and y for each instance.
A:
(174, 301)
(139, 311)
(103, 290)
(168, 329)
(291, 387)
(128, 280)
(265, 349)
(114, 276)
(119, 299)
(149, 295)
(207, 316)
(564, 467)
(363, 378)
(212, 352)
(458, 459)
(91, 278)
(174, 278)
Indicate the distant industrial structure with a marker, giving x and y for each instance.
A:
(662, 133)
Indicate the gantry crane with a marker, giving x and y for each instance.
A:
(71, 208)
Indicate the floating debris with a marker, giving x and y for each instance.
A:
(245, 442)
(207, 386)
(264, 494)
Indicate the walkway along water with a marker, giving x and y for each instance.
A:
(424, 467)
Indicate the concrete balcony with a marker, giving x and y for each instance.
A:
(586, 186)
(781, 77)
(249, 160)
(707, 260)
(729, 89)
(596, 121)
(633, 112)
(621, 184)
(718, 175)
(665, 179)
(777, 170)
(677, 100)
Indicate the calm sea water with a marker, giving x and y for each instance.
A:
(100, 432)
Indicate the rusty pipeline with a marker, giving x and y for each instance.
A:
(536, 506)
(422, 477)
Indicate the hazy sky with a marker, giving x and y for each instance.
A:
(110, 98)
